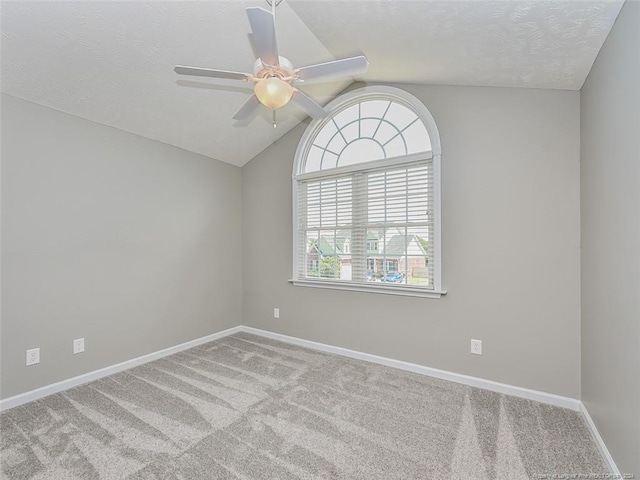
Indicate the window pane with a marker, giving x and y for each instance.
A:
(385, 132)
(399, 196)
(351, 132)
(336, 145)
(311, 258)
(360, 151)
(328, 254)
(417, 138)
(418, 271)
(329, 160)
(312, 163)
(418, 240)
(329, 203)
(368, 127)
(400, 116)
(398, 255)
(374, 108)
(324, 135)
(347, 115)
(419, 255)
(395, 245)
(396, 147)
(375, 242)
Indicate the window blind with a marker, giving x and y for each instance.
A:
(368, 226)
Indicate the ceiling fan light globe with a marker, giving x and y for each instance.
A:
(273, 92)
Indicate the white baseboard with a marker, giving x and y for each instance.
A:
(543, 397)
(550, 398)
(604, 451)
(103, 372)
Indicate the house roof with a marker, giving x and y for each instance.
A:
(398, 244)
(395, 247)
(325, 247)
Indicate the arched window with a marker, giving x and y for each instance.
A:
(367, 196)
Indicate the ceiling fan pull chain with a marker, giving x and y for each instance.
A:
(274, 119)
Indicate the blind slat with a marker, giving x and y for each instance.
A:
(368, 226)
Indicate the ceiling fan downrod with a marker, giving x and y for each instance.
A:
(273, 4)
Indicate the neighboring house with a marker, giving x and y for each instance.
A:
(393, 252)
(402, 253)
(336, 253)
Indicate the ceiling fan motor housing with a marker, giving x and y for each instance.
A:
(284, 71)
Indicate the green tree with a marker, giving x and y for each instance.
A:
(330, 267)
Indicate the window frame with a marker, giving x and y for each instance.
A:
(402, 97)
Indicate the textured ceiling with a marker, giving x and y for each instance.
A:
(503, 43)
(111, 62)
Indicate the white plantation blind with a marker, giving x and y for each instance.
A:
(399, 206)
(363, 225)
(366, 200)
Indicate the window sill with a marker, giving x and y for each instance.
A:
(376, 288)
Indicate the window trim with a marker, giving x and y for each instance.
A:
(407, 291)
(373, 165)
(344, 101)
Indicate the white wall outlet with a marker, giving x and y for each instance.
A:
(276, 313)
(476, 347)
(33, 356)
(78, 345)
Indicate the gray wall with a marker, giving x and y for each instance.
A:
(510, 247)
(132, 244)
(610, 209)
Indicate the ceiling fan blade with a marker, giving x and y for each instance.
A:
(309, 106)
(247, 109)
(264, 34)
(346, 66)
(209, 72)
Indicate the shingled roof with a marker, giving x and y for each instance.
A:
(396, 246)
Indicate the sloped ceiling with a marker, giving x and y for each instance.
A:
(501, 43)
(111, 62)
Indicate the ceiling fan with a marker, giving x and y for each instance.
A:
(274, 75)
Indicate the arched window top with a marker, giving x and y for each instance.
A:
(366, 196)
(369, 124)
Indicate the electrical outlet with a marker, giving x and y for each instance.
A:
(78, 345)
(476, 347)
(276, 313)
(33, 356)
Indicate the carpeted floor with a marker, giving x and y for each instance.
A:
(245, 407)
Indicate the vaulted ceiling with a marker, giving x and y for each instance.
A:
(111, 61)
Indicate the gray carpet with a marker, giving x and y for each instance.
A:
(245, 407)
